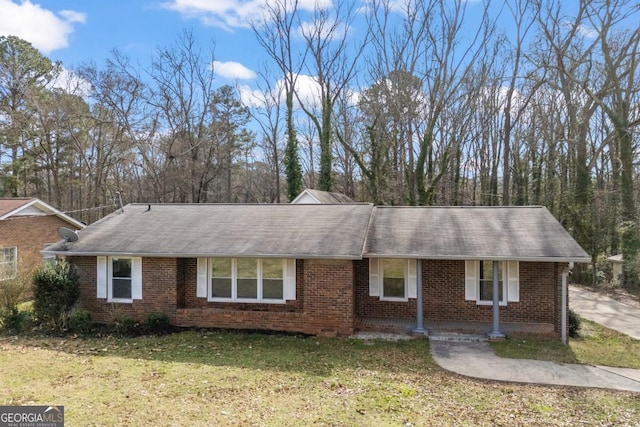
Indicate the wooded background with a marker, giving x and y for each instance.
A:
(429, 106)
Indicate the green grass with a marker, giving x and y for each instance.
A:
(229, 378)
(596, 345)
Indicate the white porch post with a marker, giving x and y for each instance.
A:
(419, 329)
(495, 332)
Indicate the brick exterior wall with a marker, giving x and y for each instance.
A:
(323, 306)
(159, 290)
(443, 284)
(330, 295)
(30, 234)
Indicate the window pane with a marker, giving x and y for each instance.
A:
(486, 281)
(272, 269)
(221, 287)
(486, 270)
(272, 289)
(248, 288)
(121, 267)
(122, 288)
(221, 267)
(486, 290)
(8, 263)
(247, 268)
(393, 278)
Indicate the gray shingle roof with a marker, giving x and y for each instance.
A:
(518, 233)
(304, 231)
(349, 231)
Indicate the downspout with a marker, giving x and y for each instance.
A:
(419, 329)
(563, 322)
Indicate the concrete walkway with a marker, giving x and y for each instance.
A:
(605, 311)
(477, 360)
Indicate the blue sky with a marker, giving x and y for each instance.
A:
(82, 31)
(79, 31)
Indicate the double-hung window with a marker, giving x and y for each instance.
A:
(119, 278)
(479, 281)
(392, 279)
(8, 262)
(266, 280)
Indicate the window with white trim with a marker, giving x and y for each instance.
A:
(479, 281)
(392, 279)
(8, 262)
(119, 278)
(260, 280)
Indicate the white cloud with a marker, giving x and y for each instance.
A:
(587, 32)
(220, 13)
(45, 30)
(251, 97)
(233, 70)
(309, 29)
(72, 83)
(230, 14)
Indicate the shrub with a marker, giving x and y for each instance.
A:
(56, 289)
(12, 293)
(124, 324)
(156, 323)
(79, 321)
(18, 320)
(575, 323)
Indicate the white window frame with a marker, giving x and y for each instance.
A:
(376, 279)
(510, 282)
(110, 297)
(8, 269)
(104, 278)
(234, 284)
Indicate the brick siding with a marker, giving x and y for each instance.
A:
(330, 294)
(444, 295)
(30, 234)
(159, 290)
(323, 305)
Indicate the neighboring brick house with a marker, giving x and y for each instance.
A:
(27, 225)
(326, 269)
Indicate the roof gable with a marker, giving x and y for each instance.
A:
(22, 206)
(317, 197)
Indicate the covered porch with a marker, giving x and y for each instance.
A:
(406, 326)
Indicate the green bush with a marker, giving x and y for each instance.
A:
(56, 289)
(575, 323)
(79, 321)
(124, 324)
(156, 323)
(13, 292)
(18, 320)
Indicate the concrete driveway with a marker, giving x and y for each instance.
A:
(605, 311)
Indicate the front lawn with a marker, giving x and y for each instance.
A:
(230, 378)
(596, 345)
